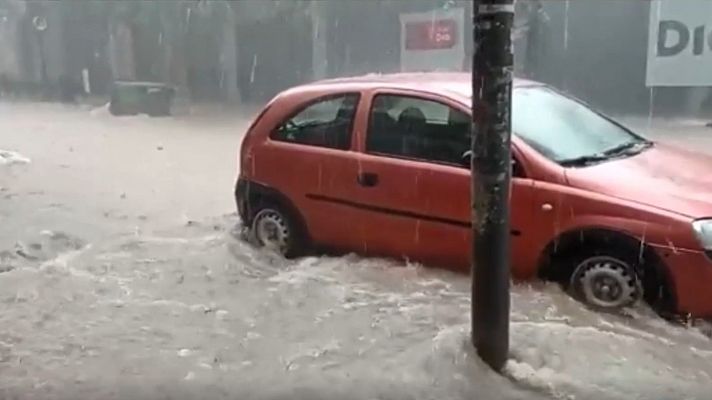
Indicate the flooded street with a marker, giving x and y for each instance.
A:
(121, 277)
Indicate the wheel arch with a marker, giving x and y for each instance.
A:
(659, 290)
(249, 194)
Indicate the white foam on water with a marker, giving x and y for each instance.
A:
(615, 361)
(100, 111)
(8, 157)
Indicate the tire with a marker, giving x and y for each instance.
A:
(605, 280)
(276, 229)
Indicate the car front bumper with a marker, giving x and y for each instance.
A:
(691, 275)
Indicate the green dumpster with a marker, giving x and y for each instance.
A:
(134, 97)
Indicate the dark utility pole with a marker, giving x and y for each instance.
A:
(491, 174)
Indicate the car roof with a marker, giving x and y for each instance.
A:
(458, 84)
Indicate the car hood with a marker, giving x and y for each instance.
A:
(663, 176)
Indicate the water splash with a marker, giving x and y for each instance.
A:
(8, 157)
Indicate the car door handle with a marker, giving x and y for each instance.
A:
(368, 179)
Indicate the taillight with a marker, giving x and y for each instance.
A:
(244, 156)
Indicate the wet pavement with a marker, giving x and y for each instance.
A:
(121, 277)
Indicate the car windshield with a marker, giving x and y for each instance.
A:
(565, 130)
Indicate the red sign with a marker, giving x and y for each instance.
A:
(430, 35)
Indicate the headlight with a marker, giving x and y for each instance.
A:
(703, 229)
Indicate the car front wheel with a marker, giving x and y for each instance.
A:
(606, 282)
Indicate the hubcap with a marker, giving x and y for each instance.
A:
(271, 230)
(606, 282)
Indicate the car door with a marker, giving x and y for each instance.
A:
(306, 157)
(418, 187)
(385, 187)
(446, 190)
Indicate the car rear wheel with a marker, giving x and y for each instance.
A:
(606, 282)
(275, 229)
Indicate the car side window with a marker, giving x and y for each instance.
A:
(327, 122)
(411, 127)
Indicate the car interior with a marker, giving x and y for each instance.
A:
(411, 134)
(323, 132)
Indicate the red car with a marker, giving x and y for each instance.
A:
(378, 165)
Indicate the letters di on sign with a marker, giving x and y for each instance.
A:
(669, 46)
(680, 43)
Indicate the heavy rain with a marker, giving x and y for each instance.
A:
(124, 268)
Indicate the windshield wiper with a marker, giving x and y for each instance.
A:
(585, 160)
(626, 149)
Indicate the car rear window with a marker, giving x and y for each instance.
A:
(327, 122)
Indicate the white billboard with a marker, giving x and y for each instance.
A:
(680, 43)
(433, 41)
